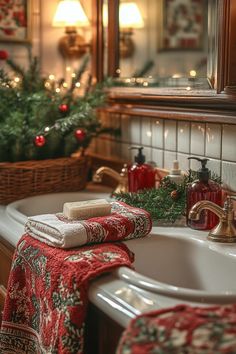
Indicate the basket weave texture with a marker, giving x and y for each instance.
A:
(28, 178)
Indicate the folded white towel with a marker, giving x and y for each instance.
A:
(124, 222)
(56, 232)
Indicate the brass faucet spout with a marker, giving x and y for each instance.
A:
(196, 210)
(225, 230)
(121, 178)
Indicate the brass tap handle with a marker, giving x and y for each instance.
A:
(228, 203)
(124, 170)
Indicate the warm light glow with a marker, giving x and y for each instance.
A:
(70, 13)
(193, 73)
(129, 15)
(176, 76)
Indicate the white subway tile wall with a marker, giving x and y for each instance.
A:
(146, 132)
(197, 139)
(213, 140)
(229, 142)
(135, 130)
(170, 137)
(157, 133)
(165, 140)
(183, 137)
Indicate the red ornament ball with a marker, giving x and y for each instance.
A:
(63, 108)
(39, 140)
(3, 55)
(80, 135)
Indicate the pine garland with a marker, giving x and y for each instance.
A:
(33, 107)
(166, 203)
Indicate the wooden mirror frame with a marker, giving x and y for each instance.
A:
(221, 99)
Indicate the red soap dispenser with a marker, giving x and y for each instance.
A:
(203, 189)
(141, 175)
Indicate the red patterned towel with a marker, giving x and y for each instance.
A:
(47, 298)
(182, 330)
(124, 223)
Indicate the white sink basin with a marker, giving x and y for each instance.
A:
(173, 265)
(180, 262)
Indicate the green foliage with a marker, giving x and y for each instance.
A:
(30, 106)
(166, 203)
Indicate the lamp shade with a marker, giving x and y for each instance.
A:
(70, 13)
(130, 15)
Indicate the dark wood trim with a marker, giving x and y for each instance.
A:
(102, 334)
(231, 78)
(8, 247)
(224, 103)
(223, 45)
(113, 38)
(97, 40)
(167, 112)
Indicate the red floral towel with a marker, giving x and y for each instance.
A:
(182, 330)
(47, 298)
(124, 223)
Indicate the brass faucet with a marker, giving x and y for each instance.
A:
(225, 230)
(121, 178)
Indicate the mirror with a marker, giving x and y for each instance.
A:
(167, 43)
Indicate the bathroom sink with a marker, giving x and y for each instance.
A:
(174, 262)
(180, 262)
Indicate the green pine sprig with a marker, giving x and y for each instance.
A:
(166, 203)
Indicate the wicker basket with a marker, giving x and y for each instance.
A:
(23, 179)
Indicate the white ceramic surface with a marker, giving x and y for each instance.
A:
(197, 143)
(170, 135)
(157, 133)
(173, 265)
(183, 137)
(213, 140)
(229, 142)
(179, 262)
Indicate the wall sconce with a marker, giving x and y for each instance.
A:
(129, 18)
(70, 14)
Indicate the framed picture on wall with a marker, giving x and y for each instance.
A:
(183, 24)
(15, 21)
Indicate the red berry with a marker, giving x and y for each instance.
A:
(63, 108)
(80, 135)
(39, 140)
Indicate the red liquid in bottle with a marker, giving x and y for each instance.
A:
(203, 190)
(141, 177)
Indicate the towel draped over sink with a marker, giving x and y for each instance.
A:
(124, 223)
(47, 296)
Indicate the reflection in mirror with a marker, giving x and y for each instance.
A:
(105, 35)
(166, 43)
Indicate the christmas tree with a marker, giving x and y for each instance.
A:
(44, 118)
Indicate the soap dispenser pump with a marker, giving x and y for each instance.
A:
(140, 175)
(175, 174)
(203, 188)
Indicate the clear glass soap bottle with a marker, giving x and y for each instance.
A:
(203, 188)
